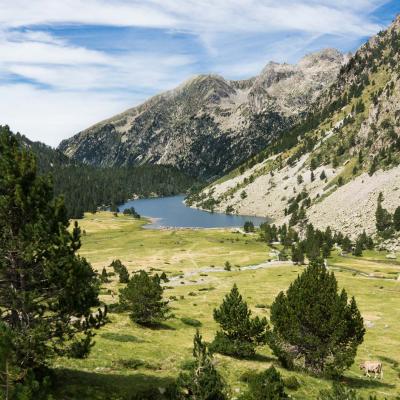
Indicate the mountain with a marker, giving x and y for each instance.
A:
(330, 168)
(208, 124)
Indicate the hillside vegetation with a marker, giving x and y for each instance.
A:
(331, 167)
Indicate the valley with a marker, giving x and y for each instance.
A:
(129, 360)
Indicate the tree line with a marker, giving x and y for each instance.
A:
(85, 188)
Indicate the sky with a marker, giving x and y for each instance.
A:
(65, 65)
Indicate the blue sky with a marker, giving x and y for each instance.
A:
(66, 65)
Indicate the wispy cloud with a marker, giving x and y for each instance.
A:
(57, 76)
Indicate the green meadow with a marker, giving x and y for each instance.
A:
(132, 362)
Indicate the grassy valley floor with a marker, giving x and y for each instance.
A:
(129, 362)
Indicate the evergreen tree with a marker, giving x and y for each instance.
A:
(248, 226)
(396, 219)
(240, 334)
(121, 270)
(314, 326)
(358, 248)
(323, 175)
(266, 386)
(202, 382)
(44, 285)
(382, 216)
(143, 298)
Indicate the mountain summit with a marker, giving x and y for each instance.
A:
(208, 124)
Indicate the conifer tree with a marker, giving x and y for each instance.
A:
(143, 299)
(314, 326)
(382, 216)
(396, 219)
(44, 285)
(121, 270)
(203, 381)
(240, 334)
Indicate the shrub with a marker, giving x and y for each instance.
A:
(266, 386)
(202, 381)
(80, 348)
(291, 383)
(191, 321)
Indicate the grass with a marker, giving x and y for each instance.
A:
(132, 362)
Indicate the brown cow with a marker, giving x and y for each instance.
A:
(372, 366)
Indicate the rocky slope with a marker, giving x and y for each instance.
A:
(208, 124)
(330, 168)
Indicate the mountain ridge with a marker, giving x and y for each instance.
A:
(208, 124)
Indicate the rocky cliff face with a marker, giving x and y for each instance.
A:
(329, 169)
(208, 124)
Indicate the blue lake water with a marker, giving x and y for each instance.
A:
(171, 212)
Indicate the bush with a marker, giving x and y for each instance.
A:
(80, 348)
(291, 383)
(231, 347)
(191, 321)
(265, 386)
(202, 381)
(339, 392)
(227, 266)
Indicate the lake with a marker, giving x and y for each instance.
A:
(171, 212)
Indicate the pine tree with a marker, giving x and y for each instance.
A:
(143, 298)
(203, 381)
(121, 270)
(382, 216)
(266, 386)
(314, 326)
(358, 248)
(44, 285)
(240, 334)
(396, 219)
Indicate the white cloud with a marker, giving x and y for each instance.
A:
(51, 116)
(73, 86)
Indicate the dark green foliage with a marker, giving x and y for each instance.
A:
(358, 249)
(143, 299)
(240, 334)
(44, 285)
(121, 270)
(131, 211)
(248, 226)
(396, 219)
(267, 385)
(85, 187)
(315, 327)
(80, 348)
(383, 219)
(227, 266)
(323, 175)
(202, 381)
(104, 276)
(268, 233)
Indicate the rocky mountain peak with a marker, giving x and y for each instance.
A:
(207, 124)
